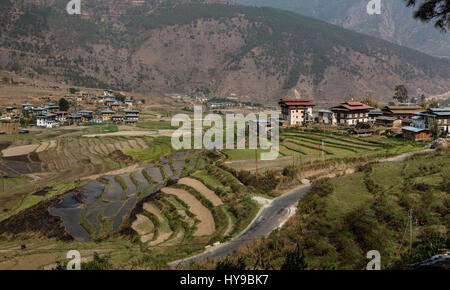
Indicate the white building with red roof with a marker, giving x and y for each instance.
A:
(297, 111)
(352, 113)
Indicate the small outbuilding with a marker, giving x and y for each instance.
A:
(416, 134)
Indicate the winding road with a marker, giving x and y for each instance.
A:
(265, 222)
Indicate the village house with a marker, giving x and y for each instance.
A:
(129, 103)
(46, 120)
(297, 111)
(439, 115)
(102, 99)
(131, 116)
(74, 118)
(416, 134)
(107, 92)
(38, 110)
(51, 108)
(388, 121)
(60, 116)
(27, 107)
(117, 118)
(86, 116)
(352, 113)
(327, 117)
(11, 112)
(97, 120)
(114, 106)
(221, 104)
(402, 111)
(374, 114)
(108, 102)
(106, 115)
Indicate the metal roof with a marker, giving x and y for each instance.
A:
(413, 129)
(386, 118)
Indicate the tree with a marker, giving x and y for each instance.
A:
(369, 101)
(401, 94)
(433, 103)
(120, 98)
(73, 90)
(63, 104)
(423, 101)
(434, 129)
(437, 10)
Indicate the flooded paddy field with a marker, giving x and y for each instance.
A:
(103, 202)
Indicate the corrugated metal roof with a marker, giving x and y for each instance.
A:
(386, 118)
(413, 129)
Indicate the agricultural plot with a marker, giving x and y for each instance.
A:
(65, 158)
(309, 146)
(188, 212)
(206, 225)
(103, 205)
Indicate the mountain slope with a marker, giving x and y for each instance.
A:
(395, 23)
(166, 46)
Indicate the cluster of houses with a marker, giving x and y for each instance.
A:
(107, 109)
(414, 121)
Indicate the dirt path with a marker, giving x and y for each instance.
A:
(167, 133)
(206, 225)
(229, 226)
(200, 187)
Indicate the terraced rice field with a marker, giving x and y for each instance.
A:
(206, 225)
(102, 205)
(200, 187)
(312, 145)
(184, 213)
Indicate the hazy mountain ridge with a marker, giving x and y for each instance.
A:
(168, 46)
(395, 23)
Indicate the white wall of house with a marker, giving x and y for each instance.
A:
(46, 123)
(298, 116)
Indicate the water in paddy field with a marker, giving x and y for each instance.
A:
(96, 201)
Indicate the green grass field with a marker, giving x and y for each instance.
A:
(306, 144)
(155, 125)
(159, 147)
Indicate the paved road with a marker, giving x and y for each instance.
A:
(267, 221)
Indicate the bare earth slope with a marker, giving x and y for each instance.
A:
(178, 46)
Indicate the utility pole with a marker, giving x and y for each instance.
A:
(410, 231)
(256, 163)
(323, 153)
